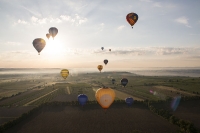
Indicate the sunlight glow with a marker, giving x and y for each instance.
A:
(54, 48)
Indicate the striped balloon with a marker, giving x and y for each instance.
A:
(100, 67)
(64, 73)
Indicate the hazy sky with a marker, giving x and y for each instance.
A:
(167, 33)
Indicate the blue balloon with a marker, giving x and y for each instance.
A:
(82, 99)
(124, 82)
(129, 101)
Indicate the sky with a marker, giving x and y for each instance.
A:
(167, 33)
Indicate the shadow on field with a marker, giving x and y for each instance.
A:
(92, 118)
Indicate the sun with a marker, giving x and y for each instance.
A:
(54, 47)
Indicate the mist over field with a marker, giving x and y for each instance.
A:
(170, 71)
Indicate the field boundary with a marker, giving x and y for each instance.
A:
(39, 98)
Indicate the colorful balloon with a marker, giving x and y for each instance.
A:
(105, 61)
(48, 36)
(105, 97)
(132, 18)
(82, 99)
(129, 101)
(100, 67)
(53, 31)
(39, 44)
(124, 82)
(64, 73)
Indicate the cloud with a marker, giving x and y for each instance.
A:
(32, 12)
(16, 55)
(101, 27)
(195, 57)
(146, 0)
(21, 21)
(10, 43)
(171, 6)
(102, 24)
(121, 27)
(76, 20)
(157, 4)
(13, 43)
(183, 20)
(171, 51)
(152, 51)
(191, 34)
(123, 51)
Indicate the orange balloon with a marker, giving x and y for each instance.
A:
(100, 67)
(105, 97)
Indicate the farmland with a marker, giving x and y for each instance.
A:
(119, 118)
(21, 93)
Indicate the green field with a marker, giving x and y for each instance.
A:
(25, 92)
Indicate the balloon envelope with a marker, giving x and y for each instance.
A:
(82, 99)
(105, 61)
(48, 36)
(132, 18)
(102, 48)
(39, 44)
(64, 73)
(105, 97)
(109, 49)
(53, 31)
(129, 101)
(124, 82)
(100, 67)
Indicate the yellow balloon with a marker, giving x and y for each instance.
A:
(64, 73)
(105, 97)
(100, 67)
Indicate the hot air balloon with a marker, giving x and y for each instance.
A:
(82, 99)
(105, 97)
(64, 73)
(124, 82)
(113, 81)
(39, 44)
(48, 35)
(132, 18)
(109, 49)
(129, 101)
(100, 67)
(105, 61)
(53, 31)
(102, 48)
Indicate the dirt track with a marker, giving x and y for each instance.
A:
(39, 98)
